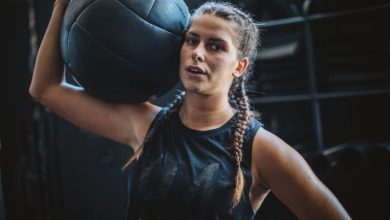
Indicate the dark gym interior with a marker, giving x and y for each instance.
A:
(321, 82)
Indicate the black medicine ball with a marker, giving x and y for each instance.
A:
(124, 50)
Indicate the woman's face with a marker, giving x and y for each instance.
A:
(208, 60)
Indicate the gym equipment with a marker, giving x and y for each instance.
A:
(125, 50)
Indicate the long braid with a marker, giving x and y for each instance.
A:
(173, 107)
(247, 42)
(243, 118)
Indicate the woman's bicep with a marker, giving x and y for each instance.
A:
(293, 182)
(119, 122)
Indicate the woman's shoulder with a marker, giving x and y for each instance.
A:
(267, 144)
(255, 124)
(273, 157)
(251, 131)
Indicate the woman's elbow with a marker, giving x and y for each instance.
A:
(36, 92)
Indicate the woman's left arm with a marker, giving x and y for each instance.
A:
(292, 181)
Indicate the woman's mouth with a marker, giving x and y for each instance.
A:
(195, 70)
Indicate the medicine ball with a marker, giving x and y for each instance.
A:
(124, 50)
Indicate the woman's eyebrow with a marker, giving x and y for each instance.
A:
(213, 39)
(193, 34)
(217, 40)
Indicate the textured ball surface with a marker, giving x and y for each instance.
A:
(124, 50)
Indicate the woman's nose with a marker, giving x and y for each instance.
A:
(198, 54)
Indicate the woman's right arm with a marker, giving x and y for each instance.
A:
(123, 123)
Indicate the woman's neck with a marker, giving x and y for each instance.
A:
(202, 112)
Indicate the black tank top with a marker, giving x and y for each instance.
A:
(188, 174)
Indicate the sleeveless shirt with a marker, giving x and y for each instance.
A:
(188, 174)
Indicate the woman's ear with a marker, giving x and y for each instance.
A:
(241, 67)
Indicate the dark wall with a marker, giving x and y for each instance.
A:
(2, 209)
(90, 181)
(15, 117)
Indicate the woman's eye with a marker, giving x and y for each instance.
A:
(214, 47)
(191, 41)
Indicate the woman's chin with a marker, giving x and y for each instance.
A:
(193, 89)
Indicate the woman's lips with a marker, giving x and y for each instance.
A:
(195, 70)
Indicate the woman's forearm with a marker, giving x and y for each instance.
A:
(48, 70)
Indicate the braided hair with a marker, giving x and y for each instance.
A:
(246, 43)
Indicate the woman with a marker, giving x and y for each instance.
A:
(205, 156)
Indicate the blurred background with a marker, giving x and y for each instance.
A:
(321, 82)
